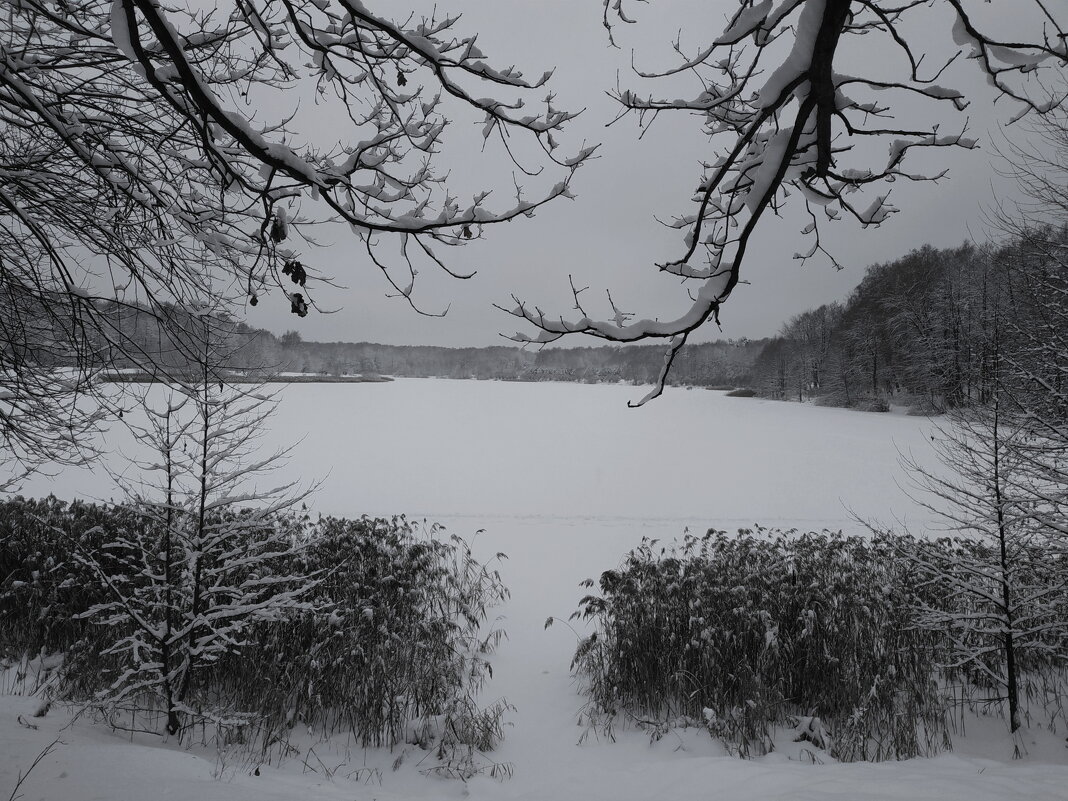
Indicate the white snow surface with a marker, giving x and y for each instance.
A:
(93, 764)
(471, 451)
(564, 478)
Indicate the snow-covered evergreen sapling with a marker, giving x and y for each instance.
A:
(210, 556)
(1000, 600)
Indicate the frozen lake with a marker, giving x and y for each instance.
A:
(575, 455)
(565, 478)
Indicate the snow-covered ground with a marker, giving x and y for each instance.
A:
(564, 479)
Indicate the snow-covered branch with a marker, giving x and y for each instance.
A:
(786, 119)
(155, 156)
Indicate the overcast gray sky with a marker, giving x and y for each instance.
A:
(608, 237)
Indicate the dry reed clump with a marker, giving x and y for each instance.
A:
(43, 587)
(396, 629)
(767, 629)
(398, 633)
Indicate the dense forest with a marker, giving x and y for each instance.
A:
(918, 331)
(722, 364)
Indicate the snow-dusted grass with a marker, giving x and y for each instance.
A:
(565, 480)
(744, 634)
(389, 643)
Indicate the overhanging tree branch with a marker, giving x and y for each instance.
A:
(783, 131)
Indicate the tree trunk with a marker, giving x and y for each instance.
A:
(1011, 685)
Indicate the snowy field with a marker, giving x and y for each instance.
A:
(564, 478)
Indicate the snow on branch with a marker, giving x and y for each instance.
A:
(145, 164)
(162, 113)
(785, 119)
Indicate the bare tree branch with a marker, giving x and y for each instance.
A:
(785, 130)
(140, 168)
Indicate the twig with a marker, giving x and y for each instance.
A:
(23, 776)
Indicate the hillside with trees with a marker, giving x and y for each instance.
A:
(915, 331)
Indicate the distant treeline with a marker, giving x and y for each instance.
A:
(715, 364)
(916, 331)
(719, 364)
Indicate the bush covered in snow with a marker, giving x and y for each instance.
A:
(767, 630)
(390, 631)
(43, 587)
(394, 634)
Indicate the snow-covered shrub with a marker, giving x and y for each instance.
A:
(872, 405)
(181, 598)
(1001, 485)
(44, 588)
(396, 628)
(204, 556)
(990, 603)
(396, 631)
(833, 400)
(758, 631)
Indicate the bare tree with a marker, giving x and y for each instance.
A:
(1001, 590)
(790, 119)
(1035, 263)
(210, 557)
(141, 165)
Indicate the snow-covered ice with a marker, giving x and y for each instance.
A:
(481, 451)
